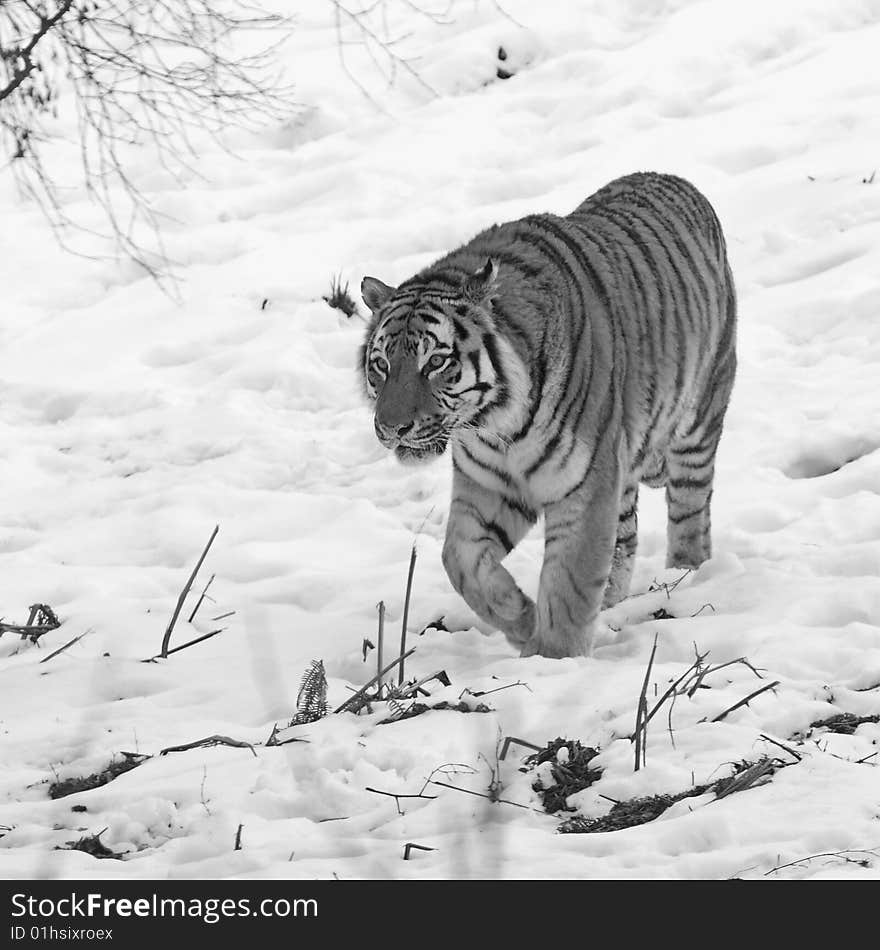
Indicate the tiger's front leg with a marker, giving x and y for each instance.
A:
(484, 526)
(580, 534)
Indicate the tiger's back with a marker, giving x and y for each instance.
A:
(602, 349)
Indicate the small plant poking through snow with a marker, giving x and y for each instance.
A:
(339, 298)
(311, 700)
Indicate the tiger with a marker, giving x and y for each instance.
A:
(566, 360)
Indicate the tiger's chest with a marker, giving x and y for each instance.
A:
(540, 468)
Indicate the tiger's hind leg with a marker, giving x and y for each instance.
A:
(623, 559)
(483, 527)
(690, 466)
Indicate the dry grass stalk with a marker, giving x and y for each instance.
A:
(184, 646)
(641, 734)
(749, 777)
(204, 594)
(409, 580)
(238, 839)
(668, 588)
(380, 646)
(339, 297)
(183, 594)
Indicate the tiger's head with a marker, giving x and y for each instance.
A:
(431, 360)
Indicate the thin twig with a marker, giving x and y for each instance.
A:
(69, 643)
(468, 791)
(486, 692)
(824, 854)
(167, 638)
(744, 702)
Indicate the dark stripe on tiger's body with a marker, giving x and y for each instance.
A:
(587, 354)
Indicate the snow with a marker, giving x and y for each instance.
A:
(133, 423)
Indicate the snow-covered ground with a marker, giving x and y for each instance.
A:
(131, 424)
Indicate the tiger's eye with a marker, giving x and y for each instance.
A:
(436, 361)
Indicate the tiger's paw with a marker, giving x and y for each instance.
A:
(520, 630)
(557, 648)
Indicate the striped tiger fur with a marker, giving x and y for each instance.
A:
(567, 359)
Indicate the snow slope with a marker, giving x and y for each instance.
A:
(132, 424)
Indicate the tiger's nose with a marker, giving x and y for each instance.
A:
(392, 433)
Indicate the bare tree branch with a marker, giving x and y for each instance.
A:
(157, 74)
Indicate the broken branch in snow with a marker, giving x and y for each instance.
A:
(41, 619)
(411, 845)
(209, 741)
(362, 692)
(512, 740)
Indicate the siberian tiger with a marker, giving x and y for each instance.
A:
(566, 359)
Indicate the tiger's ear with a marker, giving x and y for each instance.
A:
(375, 293)
(478, 286)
